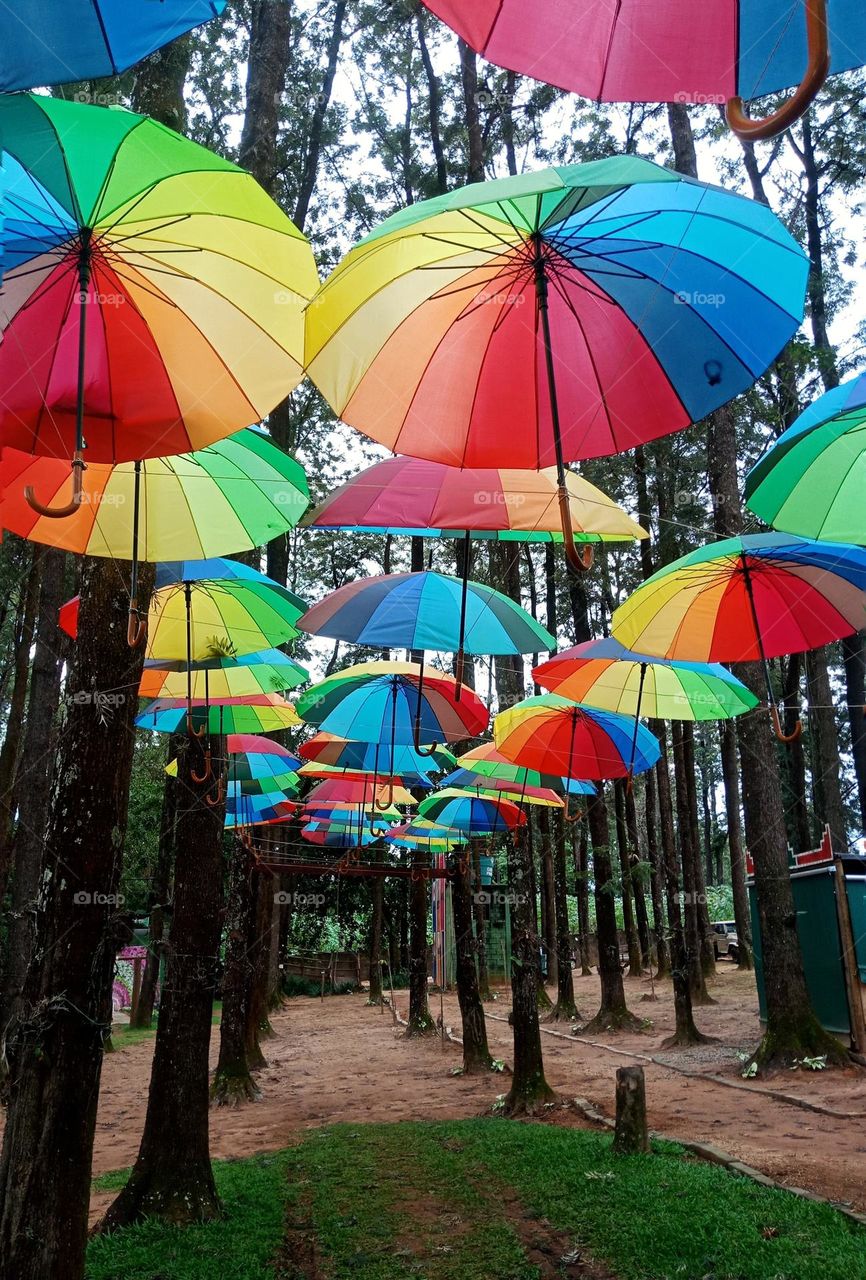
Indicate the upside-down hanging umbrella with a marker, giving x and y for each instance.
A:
(268, 671)
(350, 837)
(592, 308)
(496, 788)
(152, 292)
(276, 816)
(552, 733)
(358, 757)
(629, 51)
(280, 784)
(421, 611)
(232, 496)
(64, 41)
(746, 599)
(811, 481)
(471, 814)
(397, 703)
(264, 713)
(429, 499)
(429, 837)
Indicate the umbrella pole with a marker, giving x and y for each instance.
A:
(187, 595)
(85, 258)
(136, 626)
(566, 816)
(630, 780)
(464, 593)
(417, 726)
(578, 562)
(774, 710)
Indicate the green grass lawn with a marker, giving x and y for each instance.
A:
(485, 1200)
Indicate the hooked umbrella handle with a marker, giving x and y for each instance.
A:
(779, 731)
(817, 69)
(136, 627)
(59, 513)
(580, 560)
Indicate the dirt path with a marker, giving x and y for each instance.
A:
(340, 1060)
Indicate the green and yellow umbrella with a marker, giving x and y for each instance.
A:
(266, 713)
(268, 671)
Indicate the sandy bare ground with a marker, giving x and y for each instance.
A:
(341, 1060)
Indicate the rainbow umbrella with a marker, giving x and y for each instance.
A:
(429, 499)
(268, 671)
(153, 293)
(471, 814)
(363, 757)
(340, 837)
(322, 771)
(594, 306)
(365, 793)
(486, 765)
(421, 611)
(633, 52)
(496, 788)
(604, 674)
(745, 599)
(234, 495)
(428, 837)
(280, 784)
(554, 734)
(277, 815)
(397, 703)
(64, 41)
(264, 713)
(811, 481)
(204, 609)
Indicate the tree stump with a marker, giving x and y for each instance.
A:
(631, 1136)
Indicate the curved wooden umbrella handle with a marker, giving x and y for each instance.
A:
(817, 70)
(208, 772)
(459, 663)
(779, 731)
(572, 817)
(136, 627)
(579, 559)
(59, 513)
(191, 730)
(380, 808)
(220, 794)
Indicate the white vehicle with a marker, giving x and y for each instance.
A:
(725, 940)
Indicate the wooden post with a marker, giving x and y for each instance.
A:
(630, 1136)
(849, 960)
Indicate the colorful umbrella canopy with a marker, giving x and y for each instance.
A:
(397, 703)
(376, 757)
(633, 52)
(485, 763)
(602, 673)
(347, 814)
(812, 480)
(754, 597)
(595, 305)
(277, 815)
(266, 713)
(359, 793)
(268, 671)
(234, 495)
(205, 609)
(278, 784)
(315, 770)
(471, 814)
(410, 495)
(89, 38)
(339, 838)
(430, 837)
(153, 293)
(495, 787)
(252, 744)
(426, 611)
(555, 734)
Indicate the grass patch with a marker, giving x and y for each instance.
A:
(238, 1248)
(459, 1201)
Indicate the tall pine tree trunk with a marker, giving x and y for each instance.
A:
(529, 1089)
(613, 1014)
(635, 965)
(663, 955)
(160, 886)
(377, 892)
(476, 1054)
(565, 1008)
(172, 1177)
(731, 777)
(54, 1042)
(233, 1082)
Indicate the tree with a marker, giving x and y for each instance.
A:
(54, 1042)
(476, 1054)
(172, 1177)
(613, 1014)
(233, 1082)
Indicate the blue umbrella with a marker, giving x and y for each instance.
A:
(471, 815)
(45, 42)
